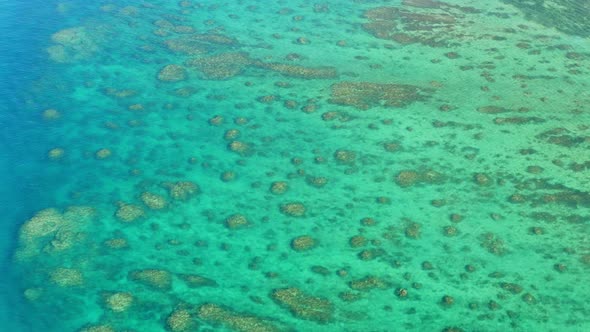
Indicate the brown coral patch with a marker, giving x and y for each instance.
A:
(187, 46)
(369, 283)
(236, 221)
(345, 156)
(172, 73)
(195, 281)
(119, 93)
(66, 277)
(240, 322)
(423, 3)
(303, 243)
(50, 230)
(303, 305)
(154, 201)
(408, 178)
(153, 278)
(117, 302)
(72, 45)
(129, 212)
(429, 23)
(180, 320)
(365, 95)
(242, 148)
(293, 209)
(491, 109)
(181, 190)
(279, 187)
(221, 66)
(300, 71)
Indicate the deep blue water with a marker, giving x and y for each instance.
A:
(24, 26)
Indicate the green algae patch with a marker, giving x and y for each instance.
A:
(303, 305)
(366, 95)
(240, 322)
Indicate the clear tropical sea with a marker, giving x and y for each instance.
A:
(337, 165)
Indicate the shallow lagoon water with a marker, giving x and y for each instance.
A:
(309, 166)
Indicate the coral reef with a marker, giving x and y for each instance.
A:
(181, 190)
(300, 71)
(293, 209)
(430, 23)
(50, 231)
(56, 153)
(241, 148)
(303, 305)
(365, 95)
(180, 320)
(103, 154)
(279, 187)
(409, 178)
(303, 243)
(172, 73)
(369, 283)
(129, 212)
(345, 156)
(118, 302)
(234, 320)
(195, 281)
(66, 277)
(154, 201)
(220, 67)
(156, 279)
(72, 45)
(236, 221)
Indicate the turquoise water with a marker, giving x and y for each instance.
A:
(299, 166)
